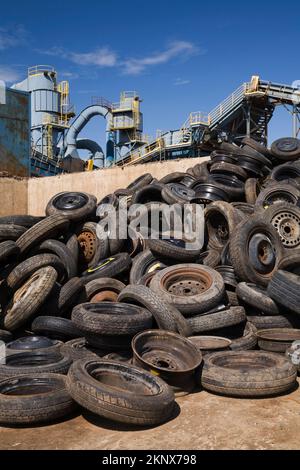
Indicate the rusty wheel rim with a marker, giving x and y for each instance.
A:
(106, 295)
(186, 283)
(87, 242)
(287, 225)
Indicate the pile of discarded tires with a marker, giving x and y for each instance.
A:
(121, 327)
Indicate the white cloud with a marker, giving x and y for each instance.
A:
(176, 49)
(9, 74)
(69, 75)
(12, 36)
(102, 57)
(181, 82)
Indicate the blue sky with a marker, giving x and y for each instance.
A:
(179, 56)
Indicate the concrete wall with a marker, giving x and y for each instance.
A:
(30, 196)
(99, 182)
(13, 196)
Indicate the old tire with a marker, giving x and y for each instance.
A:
(73, 205)
(284, 288)
(55, 327)
(214, 321)
(257, 297)
(248, 374)
(153, 405)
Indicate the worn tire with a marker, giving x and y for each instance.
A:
(111, 318)
(92, 288)
(121, 404)
(49, 227)
(257, 297)
(63, 298)
(29, 298)
(142, 264)
(11, 232)
(166, 316)
(50, 401)
(214, 321)
(9, 250)
(244, 378)
(55, 327)
(110, 267)
(246, 342)
(34, 362)
(86, 201)
(284, 288)
(63, 252)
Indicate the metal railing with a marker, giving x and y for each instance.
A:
(100, 101)
(198, 118)
(38, 69)
(228, 104)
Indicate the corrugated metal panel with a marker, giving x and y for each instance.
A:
(15, 133)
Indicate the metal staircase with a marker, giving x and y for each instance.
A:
(246, 112)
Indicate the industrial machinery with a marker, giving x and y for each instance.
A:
(56, 130)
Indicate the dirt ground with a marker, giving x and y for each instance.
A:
(201, 421)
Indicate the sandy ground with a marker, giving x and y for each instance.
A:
(201, 421)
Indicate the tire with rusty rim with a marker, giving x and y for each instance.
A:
(166, 316)
(92, 247)
(75, 206)
(191, 288)
(29, 298)
(257, 297)
(50, 227)
(248, 374)
(286, 220)
(255, 251)
(214, 321)
(277, 339)
(45, 399)
(28, 267)
(128, 394)
(98, 286)
(221, 219)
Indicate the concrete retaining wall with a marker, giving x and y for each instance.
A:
(13, 196)
(100, 182)
(30, 196)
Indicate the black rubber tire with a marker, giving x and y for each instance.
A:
(257, 297)
(108, 343)
(166, 250)
(193, 304)
(27, 268)
(105, 284)
(110, 267)
(229, 168)
(175, 177)
(149, 193)
(73, 246)
(284, 288)
(140, 182)
(211, 259)
(111, 318)
(51, 401)
(201, 169)
(115, 244)
(282, 192)
(176, 193)
(234, 188)
(78, 348)
(291, 262)
(275, 375)
(280, 148)
(256, 146)
(217, 320)
(50, 227)
(87, 209)
(11, 232)
(239, 253)
(121, 404)
(34, 362)
(29, 298)
(251, 190)
(5, 336)
(142, 264)
(26, 221)
(221, 219)
(63, 298)
(9, 250)
(166, 316)
(63, 252)
(246, 342)
(263, 322)
(55, 327)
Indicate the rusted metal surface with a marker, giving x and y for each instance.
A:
(15, 133)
